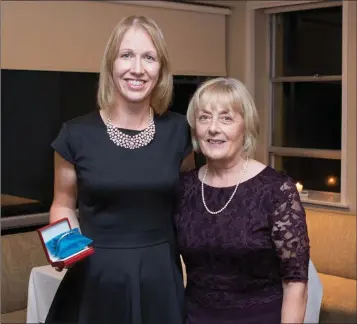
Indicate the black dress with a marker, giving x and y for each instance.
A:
(126, 199)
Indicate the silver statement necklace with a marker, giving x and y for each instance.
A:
(131, 142)
(231, 197)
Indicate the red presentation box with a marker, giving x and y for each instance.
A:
(50, 231)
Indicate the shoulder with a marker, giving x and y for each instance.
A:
(188, 179)
(173, 118)
(83, 120)
(73, 131)
(189, 176)
(282, 186)
(80, 124)
(274, 177)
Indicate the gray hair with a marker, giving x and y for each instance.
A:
(230, 93)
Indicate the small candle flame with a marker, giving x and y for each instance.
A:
(331, 181)
(299, 186)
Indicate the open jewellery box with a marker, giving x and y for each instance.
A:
(64, 245)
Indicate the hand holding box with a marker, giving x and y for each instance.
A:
(64, 246)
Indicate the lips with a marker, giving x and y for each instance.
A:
(135, 84)
(215, 142)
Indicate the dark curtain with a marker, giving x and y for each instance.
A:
(30, 120)
(34, 106)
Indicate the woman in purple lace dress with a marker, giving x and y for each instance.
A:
(241, 226)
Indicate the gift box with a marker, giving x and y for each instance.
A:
(64, 245)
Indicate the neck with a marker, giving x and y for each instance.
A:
(225, 174)
(130, 115)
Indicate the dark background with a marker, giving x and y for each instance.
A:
(34, 106)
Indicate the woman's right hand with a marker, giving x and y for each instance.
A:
(65, 195)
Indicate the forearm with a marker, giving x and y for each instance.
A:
(294, 302)
(59, 212)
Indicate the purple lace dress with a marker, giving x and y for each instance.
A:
(236, 260)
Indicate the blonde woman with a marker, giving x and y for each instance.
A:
(241, 226)
(122, 162)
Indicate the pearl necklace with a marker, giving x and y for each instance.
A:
(231, 197)
(131, 142)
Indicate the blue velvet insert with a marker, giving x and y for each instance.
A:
(68, 243)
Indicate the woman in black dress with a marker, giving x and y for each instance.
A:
(241, 226)
(122, 164)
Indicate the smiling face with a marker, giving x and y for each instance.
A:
(137, 68)
(220, 132)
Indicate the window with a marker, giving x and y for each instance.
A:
(306, 99)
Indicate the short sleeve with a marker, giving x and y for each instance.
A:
(290, 236)
(63, 144)
(185, 139)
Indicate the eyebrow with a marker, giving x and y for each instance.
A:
(151, 53)
(226, 111)
(131, 50)
(203, 110)
(220, 111)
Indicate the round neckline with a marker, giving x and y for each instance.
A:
(231, 187)
(122, 129)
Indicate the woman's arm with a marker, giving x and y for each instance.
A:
(294, 302)
(289, 233)
(65, 192)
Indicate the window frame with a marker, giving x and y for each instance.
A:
(278, 151)
(253, 46)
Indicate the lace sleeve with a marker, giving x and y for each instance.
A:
(289, 233)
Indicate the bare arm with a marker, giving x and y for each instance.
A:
(65, 192)
(294, 302)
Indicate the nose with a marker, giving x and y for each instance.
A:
(214, 126)
(137, 67)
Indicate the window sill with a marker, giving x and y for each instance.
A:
(322, 198)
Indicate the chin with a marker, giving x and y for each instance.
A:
(215, 156)
(135, 98)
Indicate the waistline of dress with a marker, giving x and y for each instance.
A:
(110, 239)
(216, 298)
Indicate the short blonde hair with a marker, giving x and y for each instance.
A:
(230, 93)
(162, 93)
